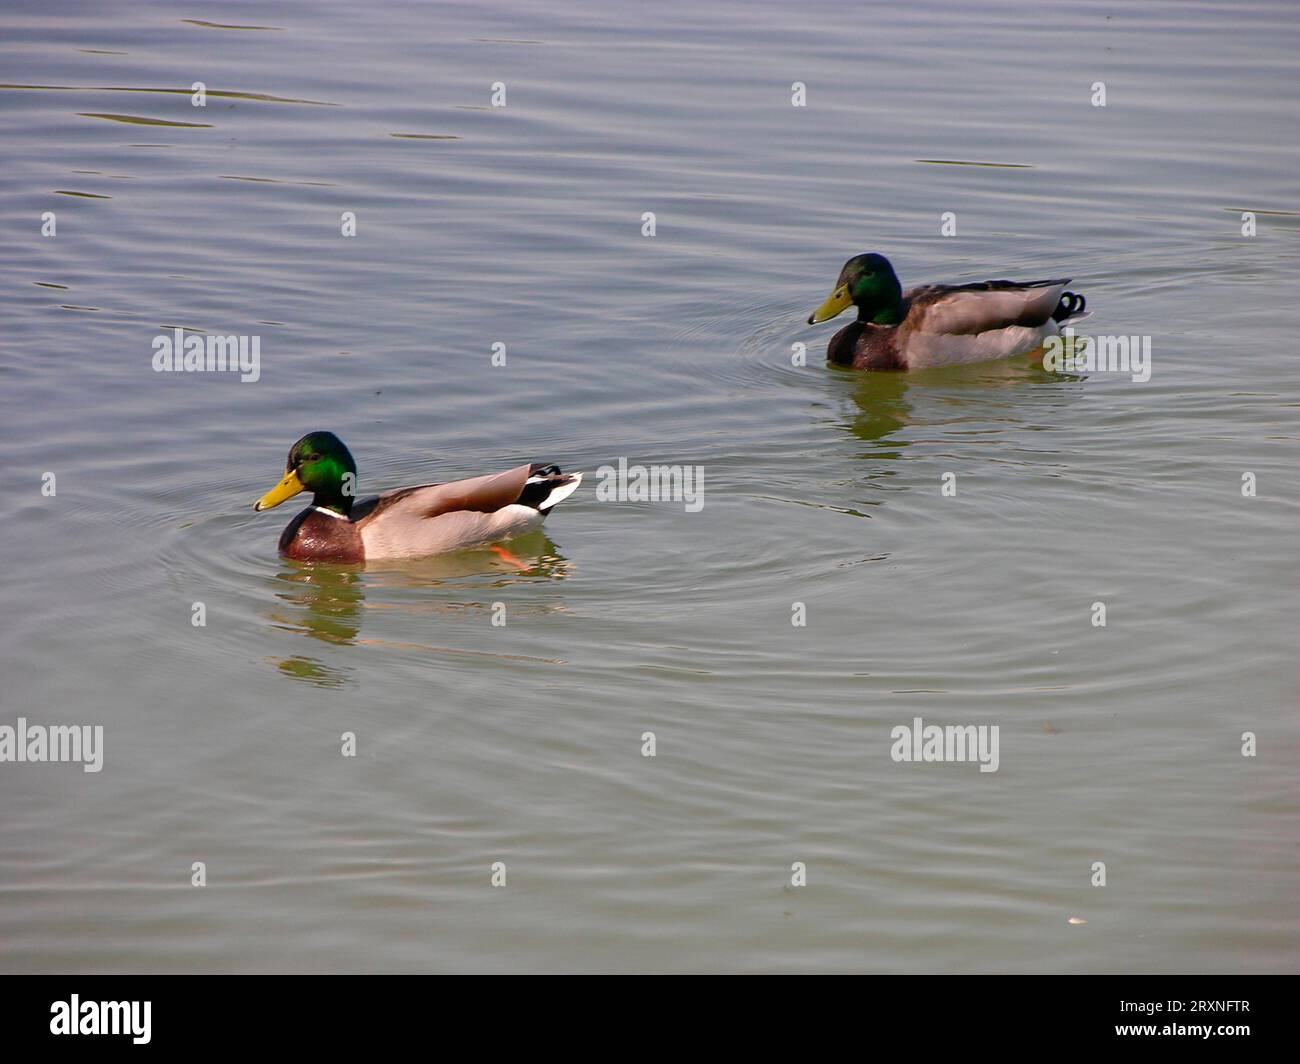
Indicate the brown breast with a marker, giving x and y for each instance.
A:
(866, 346)
(314, 537)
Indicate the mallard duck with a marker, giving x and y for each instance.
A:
(407, 522)
(940, 324)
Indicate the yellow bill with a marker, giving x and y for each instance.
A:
(286, 489)
(839, 301)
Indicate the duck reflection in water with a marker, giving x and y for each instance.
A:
(327, 602)
(881, 404)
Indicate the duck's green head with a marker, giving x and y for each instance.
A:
(321, 463)
(869, 283)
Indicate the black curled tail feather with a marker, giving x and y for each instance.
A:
(1071, 304)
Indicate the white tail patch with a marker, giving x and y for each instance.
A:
(560, 493)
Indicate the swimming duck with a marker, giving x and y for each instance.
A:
(940, 324)
(407, 522)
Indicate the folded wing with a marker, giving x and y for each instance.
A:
(976, 308)
(433, 518)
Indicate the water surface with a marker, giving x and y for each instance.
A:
(522, 225)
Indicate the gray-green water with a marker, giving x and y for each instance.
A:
(522, 744)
